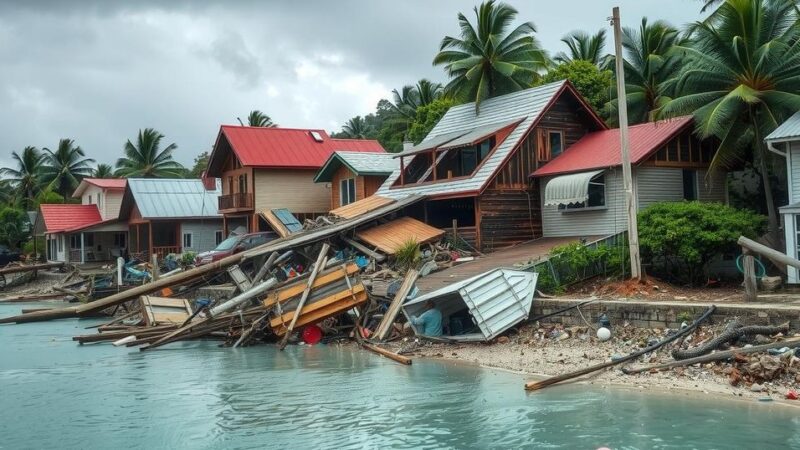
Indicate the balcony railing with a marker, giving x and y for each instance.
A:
(163, 251)
(236, 201)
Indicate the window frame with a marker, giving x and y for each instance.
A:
(219, 236)
(560, 133)
(191, 240)
(586, 206)
(344, 189)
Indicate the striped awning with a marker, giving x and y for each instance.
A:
(568, 189)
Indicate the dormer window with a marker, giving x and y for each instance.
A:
(316, 136)
(550, 144)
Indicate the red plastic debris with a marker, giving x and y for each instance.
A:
(792, 395)
(312, 334)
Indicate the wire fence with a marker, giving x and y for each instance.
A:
(573, 263)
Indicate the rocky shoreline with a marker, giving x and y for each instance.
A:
(545, 350)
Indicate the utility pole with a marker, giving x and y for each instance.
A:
(622, 106)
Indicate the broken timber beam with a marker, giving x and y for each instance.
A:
(394, 309)
(772, 254)
(28, 268)
(318, 266)
(364, 249)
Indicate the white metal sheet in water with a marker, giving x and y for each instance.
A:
(497, 300)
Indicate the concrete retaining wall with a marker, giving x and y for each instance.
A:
(664, 314)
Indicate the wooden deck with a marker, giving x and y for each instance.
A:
(501, 258)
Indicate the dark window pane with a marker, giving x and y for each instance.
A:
(689, 185)
(556, 146)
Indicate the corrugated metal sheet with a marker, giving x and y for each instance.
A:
(60, 217)
(601, 149)
(497, 300)
(526, 105)
(288, 219)
(165, 198)
(430, 144)
(286, 147)
(787, 130)
(478, 134)
(360, 163)
(391, 236)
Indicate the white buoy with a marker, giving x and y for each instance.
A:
(603, 334)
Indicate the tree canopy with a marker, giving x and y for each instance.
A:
(146, 159)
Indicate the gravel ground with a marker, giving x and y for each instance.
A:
(548, 350)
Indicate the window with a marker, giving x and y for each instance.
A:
(74, 241)
(597, 195)
(88, 239)
(689, 185)
(242, 184)
(230, 185)
(797, 232)
(555, 140)
(549, 143)
(187, 240)
(347, 191)
(316, 136)
(90, 199)
(60, 240)
(218, 237)
(120, 240)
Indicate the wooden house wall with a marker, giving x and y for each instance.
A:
(291, 189)
(508, 217)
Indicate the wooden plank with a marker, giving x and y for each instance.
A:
(391, 236)
(319, 265)
(750, 289)
(328, 311)
(295, 289)
(360, 247)
(360, 207)
(391, 314)
(239, 278)
(28, 268)
(309, 308)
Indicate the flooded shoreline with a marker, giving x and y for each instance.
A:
(197, 395)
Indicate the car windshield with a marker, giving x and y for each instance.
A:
(227, 244)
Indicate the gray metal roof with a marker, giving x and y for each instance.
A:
(365, 163)
(164, 198)
(787, 130)
(524, 105)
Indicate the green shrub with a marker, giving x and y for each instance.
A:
(408, 255)
(573, 262)
(187, 259)
(678, 239)
(14, 227)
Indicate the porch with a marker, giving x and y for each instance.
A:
(154, 238)
(103, 243)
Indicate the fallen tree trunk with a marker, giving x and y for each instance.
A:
(535, 385)
(728, 336)
(718, 356)
(17, 269)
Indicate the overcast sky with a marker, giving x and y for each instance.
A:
(96, 71)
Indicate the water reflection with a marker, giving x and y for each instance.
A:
(195, 395)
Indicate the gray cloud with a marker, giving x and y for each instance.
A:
(97, 71)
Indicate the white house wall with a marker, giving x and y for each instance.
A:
(651, 185)
(609, 220)
(108, 201)
(203, 235)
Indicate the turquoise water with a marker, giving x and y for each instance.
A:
(56, 394)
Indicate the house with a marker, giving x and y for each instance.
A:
(582, 190)
(171, 216)
(785, 141)
(355, 176)
(86, 232)
(474, 166)
(106, 193)
(269, 168)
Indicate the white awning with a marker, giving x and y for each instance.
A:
(566, 189)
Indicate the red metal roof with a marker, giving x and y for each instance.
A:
(288, 147)
(601, 149)
(107, 183)
(58, 217)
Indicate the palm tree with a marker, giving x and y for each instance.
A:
(6, 193)
(257, 118)
(65, 167)
(487, 60)
(584, 47)
(147, 160)
(651, 62)
(356, 128)
(27, 177)
(103, 171)
(742, 81)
